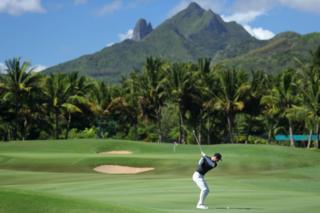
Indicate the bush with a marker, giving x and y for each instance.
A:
(44, 135)
(147, 132)
(119, 135)
(170, 123)
(174, 134)
(252, 139)
(133, 134)
(86, 133)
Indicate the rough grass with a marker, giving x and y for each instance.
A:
(58, 176)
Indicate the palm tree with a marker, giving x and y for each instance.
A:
(309, 76)
(230, 97)
(153, 91)
(203, 68)
(100, 96)
(209, 89)
(282, 97)
(304, 114)
(259, 84)
(17, 84)
(79, 101)
(181, 86)
(59, 98)
(120, 111)
(130, 89)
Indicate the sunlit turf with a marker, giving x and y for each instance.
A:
(58, 176)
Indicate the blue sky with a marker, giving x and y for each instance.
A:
(48, 32)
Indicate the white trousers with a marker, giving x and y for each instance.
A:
(201, 183)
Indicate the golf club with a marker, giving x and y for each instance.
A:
(194, 134)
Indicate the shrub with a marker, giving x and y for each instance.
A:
(252, 139)
(86, 133)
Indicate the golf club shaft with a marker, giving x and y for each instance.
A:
(194, 134)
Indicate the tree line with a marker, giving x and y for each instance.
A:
(164, 102)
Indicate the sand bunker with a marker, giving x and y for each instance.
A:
(114, 169)
(120, 152)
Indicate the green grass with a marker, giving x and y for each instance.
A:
(57, 176)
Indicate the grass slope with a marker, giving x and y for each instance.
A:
(57, 176)
(278, 54)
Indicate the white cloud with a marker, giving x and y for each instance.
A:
(259, 33)
(305, 5)
(122, 37)
(79, 2)
(246, 11)
(127, 35)
(39, 68)
(243, 18)
(19, 7)
(249, 5)
(244, 6)
(110, 7)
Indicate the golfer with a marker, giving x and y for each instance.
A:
(205, 164)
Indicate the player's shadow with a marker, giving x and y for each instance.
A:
(238, 208)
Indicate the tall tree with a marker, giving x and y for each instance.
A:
(203, 68)
(153, 91)
(130, 90)
(101, 96)
(59, 94)
(309, 76)
(270, 115)
(283, 96)
(209, 90)
(17, 85)
(305, 115)
(259, 83)
(78, 102)
(181, 86)
(233, 87)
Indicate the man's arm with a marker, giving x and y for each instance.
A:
(204, 155)
(207, 158)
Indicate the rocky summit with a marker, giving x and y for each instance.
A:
(141, 30)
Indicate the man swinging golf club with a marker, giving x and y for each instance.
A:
(205, 164)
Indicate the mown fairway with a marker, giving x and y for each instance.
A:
(57, 176)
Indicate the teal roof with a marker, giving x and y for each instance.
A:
(295, 137)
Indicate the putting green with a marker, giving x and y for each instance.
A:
(58, 176)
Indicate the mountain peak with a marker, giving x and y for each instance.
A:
(194, 6)
(141, 30)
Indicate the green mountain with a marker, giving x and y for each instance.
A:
(191, 34)
(278, 53)
(187, 36)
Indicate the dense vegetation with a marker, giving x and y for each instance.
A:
(277, 53)
(163, 102)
